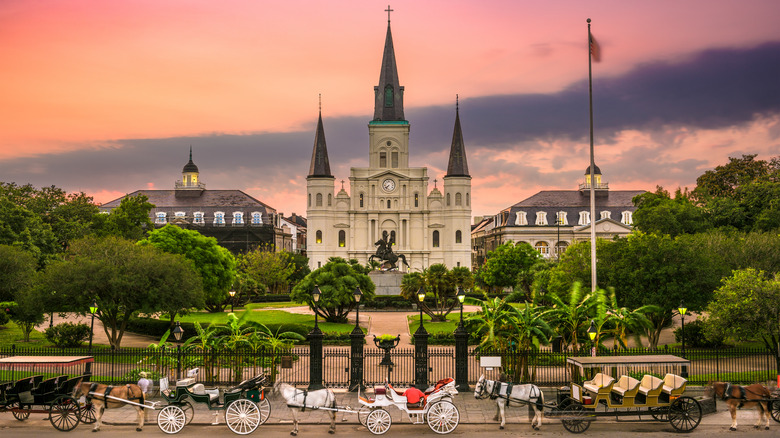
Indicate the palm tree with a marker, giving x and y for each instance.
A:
(532, 331)
(493, 321)
(261, 337)
(624, 320)
(570, 318)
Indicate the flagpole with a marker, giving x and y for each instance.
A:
(592, 168)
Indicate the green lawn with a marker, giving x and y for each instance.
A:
(252, 306)
(268, 317)
(435, 327)
(11, 334)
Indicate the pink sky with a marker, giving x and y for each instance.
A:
(92, 78)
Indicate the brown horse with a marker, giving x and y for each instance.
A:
(735, 396)
(97, 392)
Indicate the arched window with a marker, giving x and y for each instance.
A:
(458, 237)
(383, 159)
(389, 95)
(319, 199)
(388, 203)
(448, 199)
(436, 239)
(416, 199)
(542, 248)
(468, 199)
(330, 199)
(458, 199)
(342, 238)
(392, 238)
(318, 236)
(361, 200)
(560, 248)
(394, 159)
(309, 199)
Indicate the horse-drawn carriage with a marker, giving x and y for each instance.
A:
(53, 395)
(245, 406)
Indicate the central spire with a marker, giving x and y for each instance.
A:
(389, 94)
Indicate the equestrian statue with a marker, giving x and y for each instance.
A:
(384, 253)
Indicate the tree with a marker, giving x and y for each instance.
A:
(17, 268)
(270, 270)
(532, 331)
(725, 180)
(658, 213)
(215, 265)
(439, 283)
(337, 281)
(129, 221)
(22, 228)
(571, 316)
(506, 263)
(493, 322)
(747, 306)
(26, 310)
(123, 278)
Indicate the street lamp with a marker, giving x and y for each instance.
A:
(316, 297)
(178, 332)
(232, 294)
(358, 294)
(683, 310)
(420, 299)
(92, 309)
(461, 297)
(592, 332)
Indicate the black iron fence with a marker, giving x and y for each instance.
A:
(544, 367)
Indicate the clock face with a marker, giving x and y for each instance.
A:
(388, 185)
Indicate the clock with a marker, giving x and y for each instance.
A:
(388, 185)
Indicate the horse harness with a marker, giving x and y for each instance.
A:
(504, 390)
(303, 405)
(727, 392)
(107, 392)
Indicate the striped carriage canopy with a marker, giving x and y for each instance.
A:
(627, 361)
(37, 362)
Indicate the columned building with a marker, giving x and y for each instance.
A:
(388, 198)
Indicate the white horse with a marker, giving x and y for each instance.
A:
(504, 393)
(303, 399)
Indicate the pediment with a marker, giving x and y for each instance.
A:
(387, 172)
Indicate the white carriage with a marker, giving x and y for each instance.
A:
(433, 407)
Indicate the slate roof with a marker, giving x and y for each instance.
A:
(388, 75)
(570, 201)
(320, 164)
(458, 165)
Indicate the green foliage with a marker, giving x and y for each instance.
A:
(27, 310)
(4, 318)
(440, 286)
(17, 269)
(695, 336)
(215, 265)
(130, 220)
(123, 278)
(658, 213)
(745, 307)
(337, 281)
(386, 337)
(727, 179)
(509, 263)
(267, 269)
(24, 229)
(381, 302)
(67, 334)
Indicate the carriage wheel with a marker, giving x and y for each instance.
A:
(242, 416)
(443, 417)
(774, 409)
(685, 414)
(171, 419)
(189, 411)
(265, 410)
(378, 421)
(574, 418)
(19, 415)
(64, 413)
(363, 414)
(660, 414)
(87, 413)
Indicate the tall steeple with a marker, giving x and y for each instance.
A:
(320, 165)
(458, 166)
(389, 94)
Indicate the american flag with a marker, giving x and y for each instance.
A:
(595, 50)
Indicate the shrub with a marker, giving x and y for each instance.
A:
(695, 336)
(3, 316)
(67, 334)
(135, 375)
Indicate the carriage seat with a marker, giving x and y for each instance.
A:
(674, 384)
(439, 385)
(650, 385)
(414, 397)
(199, 389)
(600, 384)
(47, 390)
(626, 386)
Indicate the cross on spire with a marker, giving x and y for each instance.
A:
(342, 184)
(434, 183)
(320, 95)
(456, 102)
(388, 10)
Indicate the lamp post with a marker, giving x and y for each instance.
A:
(421, 348)
(232, 294)
(683, 310)
(592, 332)
(315, 346)
(461, 348)
(178, 332)
(356, 340)
(92, 309)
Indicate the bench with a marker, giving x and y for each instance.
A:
(674, 385)
(46, 391)
(626, 387)
(650, 387)
(600, 384)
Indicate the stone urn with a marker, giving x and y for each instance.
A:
(386, 343)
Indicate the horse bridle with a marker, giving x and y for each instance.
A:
(484, 392)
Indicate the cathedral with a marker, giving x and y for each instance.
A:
(389, 200)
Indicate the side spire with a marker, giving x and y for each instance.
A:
(389, 94)
(457, 166)
(320, 165)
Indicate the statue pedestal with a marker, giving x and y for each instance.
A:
(387, 282)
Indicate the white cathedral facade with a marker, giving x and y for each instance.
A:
(389, 199)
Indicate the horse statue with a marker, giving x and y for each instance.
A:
(98, 394)
(302, 399)
(520, 394)
(735, 396)
(384, 252)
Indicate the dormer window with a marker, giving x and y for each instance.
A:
(605, 214)
(561, 218)
(584, 218)
(257, 218)
(522, 218)
(161, 217)
(541, 218)
(180, 215)
(626, 218)
(197, 218)
(219, 218)
(238, 218)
